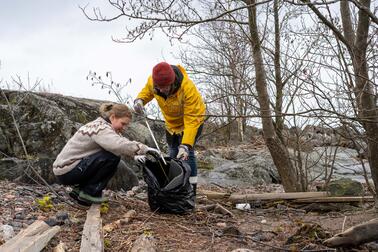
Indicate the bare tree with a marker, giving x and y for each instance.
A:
(353, 35)
(220, 62)
(175, 18)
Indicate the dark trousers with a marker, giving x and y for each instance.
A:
(173, 144)
(93, 173)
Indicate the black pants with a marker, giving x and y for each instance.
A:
(93, 173)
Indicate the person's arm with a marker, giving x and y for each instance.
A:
(109, 140)
(194, 112)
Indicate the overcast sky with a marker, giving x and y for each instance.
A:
(52, 40)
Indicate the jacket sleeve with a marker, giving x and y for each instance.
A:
(109, 140)
(147, 93)
(194, 110)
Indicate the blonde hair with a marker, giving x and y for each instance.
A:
(116, 109)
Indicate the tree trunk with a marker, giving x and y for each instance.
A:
(278, 151)
(364, 88)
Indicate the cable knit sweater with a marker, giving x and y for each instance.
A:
(91, 138)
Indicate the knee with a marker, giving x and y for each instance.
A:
(111, 157)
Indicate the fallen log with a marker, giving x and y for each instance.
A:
(245, 198)
(356, 235)
(92, 238)
(336, 199)
(34, 238)
(214, 195)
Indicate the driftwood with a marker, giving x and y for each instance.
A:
(92, 238)
(34, 238)
(354, 236)
(145, 243)
(245, 198)
(336, 199)
(214, 195)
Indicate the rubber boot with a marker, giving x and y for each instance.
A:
(91, 199)
(194, 189)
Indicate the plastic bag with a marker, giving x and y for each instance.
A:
(169, 190)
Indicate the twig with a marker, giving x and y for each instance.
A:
(342, 229)
(149, 217)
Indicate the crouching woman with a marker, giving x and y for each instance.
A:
(90, 158)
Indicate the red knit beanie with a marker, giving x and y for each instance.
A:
(163, 74)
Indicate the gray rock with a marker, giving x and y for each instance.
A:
(16, 224)
(246, 167)
(125, 178)
(61, 216)
(6, 232)
(46, 122)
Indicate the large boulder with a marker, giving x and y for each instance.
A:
(345, 187)
(45, 122)
(237, 166)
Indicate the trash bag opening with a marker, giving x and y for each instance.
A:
(165, 173)
(169, 190)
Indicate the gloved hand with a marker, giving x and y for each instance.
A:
(153, 151)
(138, 106)
(183, 152)
(140, 159)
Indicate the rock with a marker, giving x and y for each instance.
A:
(345, 187)
(46, 122)
(61, 216)
(16, 224)
(52, 222)
(141, 196)
(125, 178)
(250, 167)
(6, 232)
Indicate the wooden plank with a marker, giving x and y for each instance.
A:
(214, 195)
(34, 238)
(336, 199)
(92, 239)
(245, 198)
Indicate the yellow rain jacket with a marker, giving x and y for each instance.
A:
(183, 111)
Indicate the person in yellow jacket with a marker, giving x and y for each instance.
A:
(182, 107)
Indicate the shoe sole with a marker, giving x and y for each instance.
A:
(90, 202)
(75, 198)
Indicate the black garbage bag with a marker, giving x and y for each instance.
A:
(169, 190)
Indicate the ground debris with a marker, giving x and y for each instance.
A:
(256, 229)
(309, 232)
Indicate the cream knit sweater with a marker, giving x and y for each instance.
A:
(91, 138)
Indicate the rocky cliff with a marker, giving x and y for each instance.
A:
(45, 122)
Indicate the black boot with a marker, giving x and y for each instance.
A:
(194, 189)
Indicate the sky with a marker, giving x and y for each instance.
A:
(52, 40)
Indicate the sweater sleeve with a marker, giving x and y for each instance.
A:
(109, 140)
